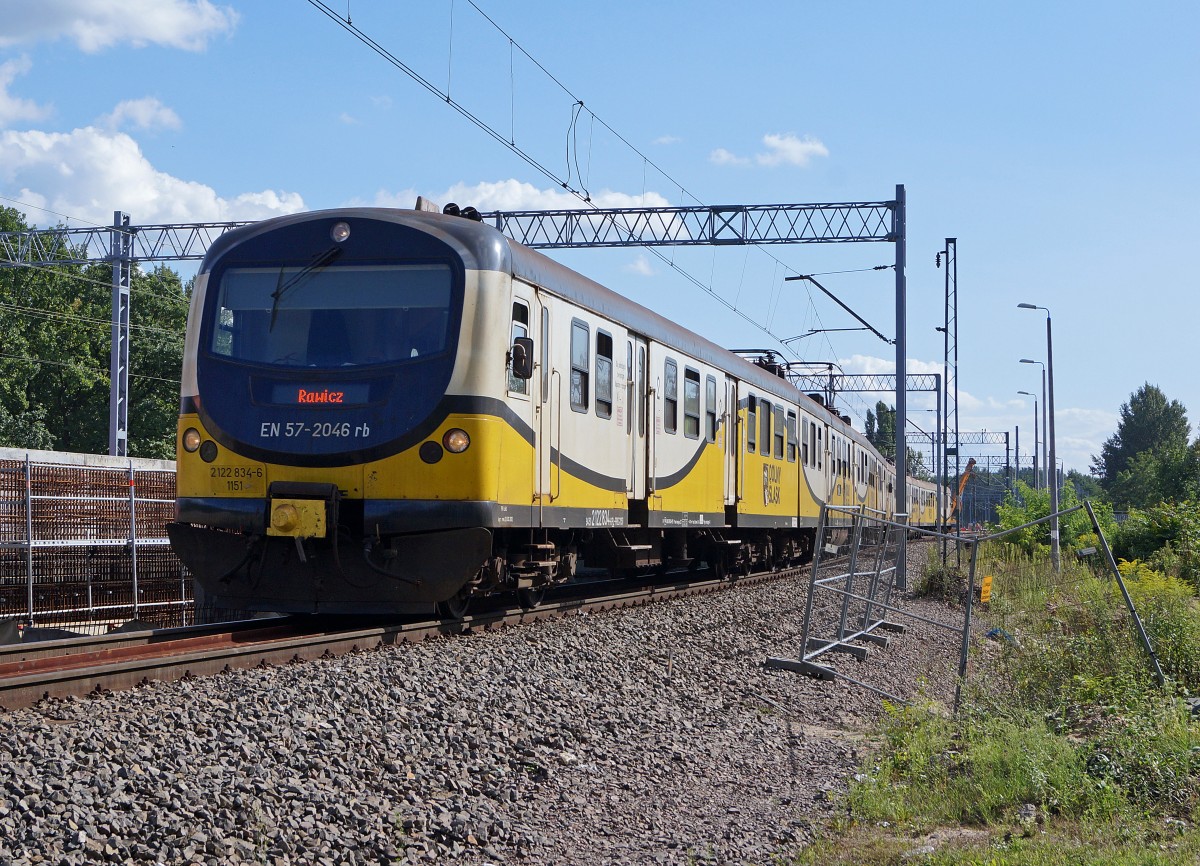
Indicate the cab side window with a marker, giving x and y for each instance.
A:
(520, 328)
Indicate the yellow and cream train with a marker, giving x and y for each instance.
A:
(384, 410)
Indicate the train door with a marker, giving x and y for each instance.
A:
(524, 398)
(637, 397)
(547, 426)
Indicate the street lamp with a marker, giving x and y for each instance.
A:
(1045, 426)
(1052, 460)
(1036, 479)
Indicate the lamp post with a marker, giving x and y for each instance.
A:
(1045, 425)
(1036, 479)
(1051, 459)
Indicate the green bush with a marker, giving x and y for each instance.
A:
(978, 769)
(1170, 614)
(1026, 505)
(1167, 537)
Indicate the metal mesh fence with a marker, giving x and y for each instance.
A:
(854, 602)
(83, 543)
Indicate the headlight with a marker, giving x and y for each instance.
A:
(208, 451)
(339, 232)
(456, 441)
(191, 439)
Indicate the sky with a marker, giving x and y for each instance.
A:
(1057, 143)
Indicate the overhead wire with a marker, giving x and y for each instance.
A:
(536, 164)
(53, 268)
(96, 370)
(87, 320)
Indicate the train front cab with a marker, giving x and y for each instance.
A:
(379, 493)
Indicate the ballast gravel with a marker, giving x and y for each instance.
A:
(652, 735)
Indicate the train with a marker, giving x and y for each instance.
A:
(391, 411)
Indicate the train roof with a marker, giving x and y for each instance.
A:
(483, 247)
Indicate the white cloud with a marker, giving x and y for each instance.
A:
(641, 266)
(782, 149)
(97, 24)
(667, 139)
(348, 119)
(145, 113)
(513, 194)
(88, 173)
(721, 156)
(787, 148)
(13, 108)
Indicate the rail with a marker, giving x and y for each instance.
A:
(31, 672)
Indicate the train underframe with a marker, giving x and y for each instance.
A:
(414, 572)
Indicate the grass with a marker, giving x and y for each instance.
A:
(1068, 752)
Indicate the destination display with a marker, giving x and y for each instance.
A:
(292, 394)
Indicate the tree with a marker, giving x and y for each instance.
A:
(1166, 474)
(55, 346)
(881, 429)
(1086, 487)
(1026, 505)
(1149, 422)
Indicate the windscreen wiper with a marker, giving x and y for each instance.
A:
(282, 288)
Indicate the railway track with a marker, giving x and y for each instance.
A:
(94, 665)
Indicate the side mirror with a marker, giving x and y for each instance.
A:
(521, 356)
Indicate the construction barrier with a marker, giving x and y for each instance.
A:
(83, 543)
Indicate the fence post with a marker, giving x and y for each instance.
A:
(966, 640)
(29, 533)
(1137, 620)
(856, 525)
(816, 565)
(133, 536)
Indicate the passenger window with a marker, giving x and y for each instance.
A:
(764, 432)
(751, 423)
(641, 390)
(779, 431)
(691, 403)
(520, 328)
(791, 436)
(710, 409)
(579, 366)
(604, 379)
(671, 397)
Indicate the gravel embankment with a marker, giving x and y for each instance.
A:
(654, 735)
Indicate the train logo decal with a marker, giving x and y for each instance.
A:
(772, 476)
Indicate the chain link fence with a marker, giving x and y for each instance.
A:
(83, 543)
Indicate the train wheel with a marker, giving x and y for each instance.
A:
(532, 597)
(456, 606)
(746, 563)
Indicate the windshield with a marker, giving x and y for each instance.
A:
(336, 316)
